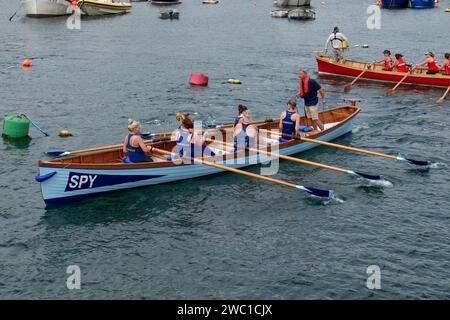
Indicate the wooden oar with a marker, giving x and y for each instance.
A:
(445, 95)
(348, 86)
(313, 191)
(351, 172)
(392, 90)
(68, 153)
(373, 153)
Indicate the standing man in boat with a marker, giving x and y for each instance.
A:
(289, 121)
(308, 92)
(338, 42)
(431, 63)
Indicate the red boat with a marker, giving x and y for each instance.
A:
(349, 68)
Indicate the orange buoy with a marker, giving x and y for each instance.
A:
(27, 63)
(198, 79)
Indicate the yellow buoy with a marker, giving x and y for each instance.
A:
(447, 10)
(234, 81)
(64, 133)
(365, 45)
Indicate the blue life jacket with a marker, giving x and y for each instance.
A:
(288, 123)
(135, 154)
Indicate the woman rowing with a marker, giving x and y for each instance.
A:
(431, 62)
(387, 60)
(446, 64)
(189, 144)
(244, 133)
(289, 121)
(400, 64)
(134, 144)
(238, 118)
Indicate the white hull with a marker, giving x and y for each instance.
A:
(45, 8)
(58, 190)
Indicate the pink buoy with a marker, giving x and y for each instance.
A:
(198, 79)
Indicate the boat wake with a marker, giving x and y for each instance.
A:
(383, 183)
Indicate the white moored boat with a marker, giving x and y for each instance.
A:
(96, 171)
(103, 7)
(46, 8)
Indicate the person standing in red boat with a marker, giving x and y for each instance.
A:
(400, 64)
(446, 64)
(387, 60)
(308, 92)
(338, 42)
(431, 63)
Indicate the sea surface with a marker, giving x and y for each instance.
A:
(224, 236)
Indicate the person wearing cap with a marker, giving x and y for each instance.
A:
(431, 62)
(308, 91)
(400, 64)
(289, 121)
(338, 42)
(446, 64)
(387, 60)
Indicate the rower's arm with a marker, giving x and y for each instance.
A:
(143, 145)
(125, 142)
(297, 124)
(280, 124)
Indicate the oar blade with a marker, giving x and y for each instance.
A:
(347, 87)
(57, 153)
(418, 162)
(369, 176)
(390, 92)
(317, 192)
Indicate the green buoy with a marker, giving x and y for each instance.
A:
(16, 127)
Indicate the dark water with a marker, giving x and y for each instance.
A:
(225, 236)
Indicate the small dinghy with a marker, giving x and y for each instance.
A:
(171, 14)
(103, 7)
(279, 13)
(302, 14)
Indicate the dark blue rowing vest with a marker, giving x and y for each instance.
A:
(288, 123)
(242, 140)
(236, 120)
(135, 154)
(184, 148)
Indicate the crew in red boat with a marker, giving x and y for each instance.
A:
(431, 63)
(134, 144)
(387, 60)
(446, 64)
(400, 64)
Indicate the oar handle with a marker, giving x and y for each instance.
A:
(222, 167)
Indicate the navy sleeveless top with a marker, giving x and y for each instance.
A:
(236, 120)
(135, 154)
(288, 123)
(242, 138)
(184, 147)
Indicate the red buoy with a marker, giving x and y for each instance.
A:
(198, 79)
(27, 63)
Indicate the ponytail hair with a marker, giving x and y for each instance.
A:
(241, 108)
(133, 124)
(182, 115)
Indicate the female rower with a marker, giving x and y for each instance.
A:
(134, 144)
(238, 118)
(289, 121)
(431, 63)
(446, 64)
(387, 60)
(189, 144)
(400, 63)
(244, 133)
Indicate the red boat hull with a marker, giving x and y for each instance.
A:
(354, 68)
